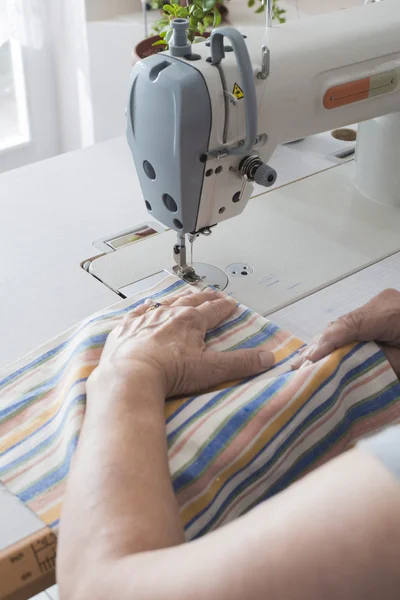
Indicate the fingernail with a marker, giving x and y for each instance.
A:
(305, 364)
(308, 350)
(296, 362)
(266, 359)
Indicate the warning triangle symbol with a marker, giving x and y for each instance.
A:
(237, 92)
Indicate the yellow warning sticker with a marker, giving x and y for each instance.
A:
(237, 92)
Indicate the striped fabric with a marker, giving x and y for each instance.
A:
(229, 449)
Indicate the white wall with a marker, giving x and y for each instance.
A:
(71, 55)
(97, 10)
(111, 45)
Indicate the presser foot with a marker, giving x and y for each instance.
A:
(194, 273)
(182, 269)
(189, 274)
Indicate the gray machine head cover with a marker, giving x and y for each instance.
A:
(168, 129)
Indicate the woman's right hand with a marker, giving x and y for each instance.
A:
(377, 321)
(168, 346)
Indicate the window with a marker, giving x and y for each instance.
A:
(14, 128)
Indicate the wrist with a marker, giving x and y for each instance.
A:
(136, 383)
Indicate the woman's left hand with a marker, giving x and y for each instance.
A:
(168, 344)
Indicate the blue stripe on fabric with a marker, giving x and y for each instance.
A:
(43, 485)
(212, 402)
(303, 425)
(80, 397)
(30, 397)
(254, 341)
(269, 329)
(54, 351)
(234, 424)
(227, 325)
(354, 413)
(191, 399)
(44, 443)
(54, 524)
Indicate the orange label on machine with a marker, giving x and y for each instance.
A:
(361, 89)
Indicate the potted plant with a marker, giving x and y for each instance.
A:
(278, 13)
(203, 16)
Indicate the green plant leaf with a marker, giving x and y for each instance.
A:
(217, 17)
(168, 9)
(174, 2)
(198, 13)
(183, 12)
(160, 43)
(193, 23)
(251, 3)
(162, 34)
(208, 5)
(261, 9)
(198, 39)
(168, 36)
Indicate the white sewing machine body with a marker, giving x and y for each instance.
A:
(320, 73)
(323, 72)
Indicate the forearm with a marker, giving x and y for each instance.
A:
(119, 499)
(333, 535)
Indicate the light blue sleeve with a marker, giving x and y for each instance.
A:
(386, 447)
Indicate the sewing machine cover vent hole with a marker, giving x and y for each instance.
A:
(149, 170)
(236, 197)
(169, 203)
(148, 205)
(178, 224)
(239, 270)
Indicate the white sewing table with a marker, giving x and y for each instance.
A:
(51, 212)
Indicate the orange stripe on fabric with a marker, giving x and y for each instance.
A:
(308, 433)
(51, 515)
(252, 431)
(324, 372)
(10, 440)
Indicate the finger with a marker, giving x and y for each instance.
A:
(297, 361)
(217, 311)
(193, 299)
(353, 327)
(140, 310)
(237, 364)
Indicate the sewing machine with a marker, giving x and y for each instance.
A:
(202, 124)
(293, 240)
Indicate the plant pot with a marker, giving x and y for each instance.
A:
(145, 48)
(223, 9)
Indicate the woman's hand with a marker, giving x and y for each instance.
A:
(378, 321)
(168, 344)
